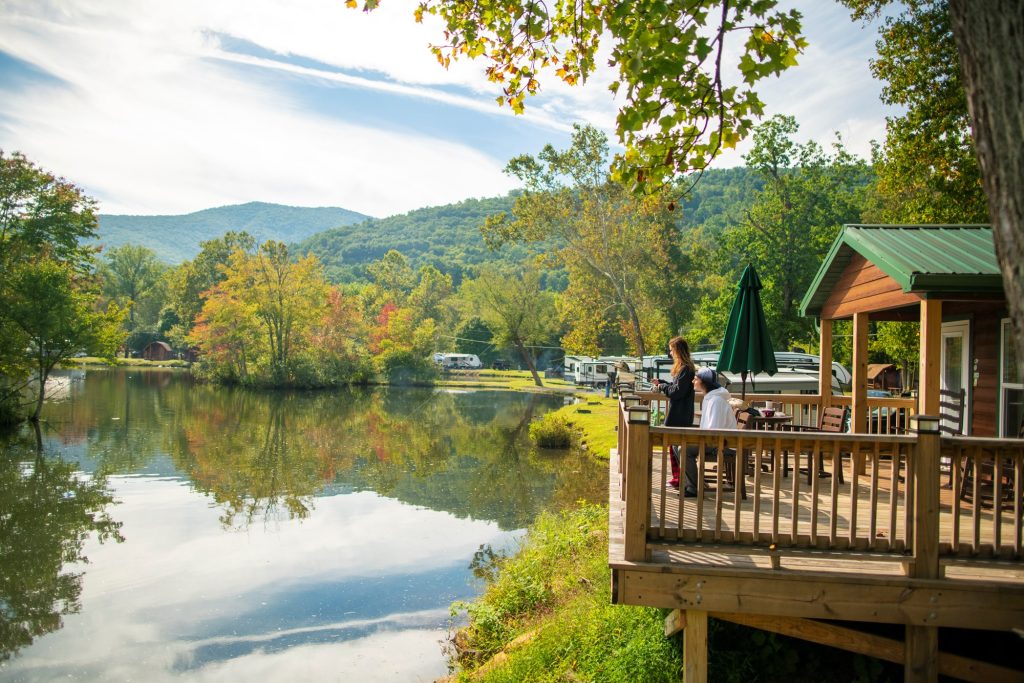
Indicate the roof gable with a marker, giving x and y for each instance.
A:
(925, 259)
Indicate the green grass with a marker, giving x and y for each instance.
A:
(594, 418)
(557, 588)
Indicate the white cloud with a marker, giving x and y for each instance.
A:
(155, 115)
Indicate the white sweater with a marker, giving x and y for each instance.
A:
(715, 411)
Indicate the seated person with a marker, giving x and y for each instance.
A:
(715, 413)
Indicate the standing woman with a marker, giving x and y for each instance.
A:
(680, 395)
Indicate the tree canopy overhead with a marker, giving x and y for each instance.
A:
(686, 69)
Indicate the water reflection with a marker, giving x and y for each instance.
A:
(275, 535)
(267, 456)
(47, 510)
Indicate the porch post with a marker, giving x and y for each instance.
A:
(638, 483)
(931, 357)
(825, 371)
(859, 412)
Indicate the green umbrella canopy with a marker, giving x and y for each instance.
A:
(747, 347)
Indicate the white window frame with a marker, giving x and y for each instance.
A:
(1005, 332)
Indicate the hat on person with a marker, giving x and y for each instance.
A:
(709, 378)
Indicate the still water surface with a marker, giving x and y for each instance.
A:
(182, 532)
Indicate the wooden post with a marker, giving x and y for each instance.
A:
(931, 357)
(638, 483)
(695, 647)
(825, 371)
(859, 411)
(921, 657)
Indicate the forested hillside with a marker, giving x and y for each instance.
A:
(176, 238)
(446, 237)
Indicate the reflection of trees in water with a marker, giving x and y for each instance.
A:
(266, 455)
(47, 511)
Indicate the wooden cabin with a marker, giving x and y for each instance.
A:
(884, 376)
(157, 350)
(826, 534)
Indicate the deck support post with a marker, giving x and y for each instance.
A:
(637, 513)
(921, 656)
(859, 409)
(695, 647)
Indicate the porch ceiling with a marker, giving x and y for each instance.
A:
(935, 261)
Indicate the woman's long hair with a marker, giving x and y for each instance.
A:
(683, 360)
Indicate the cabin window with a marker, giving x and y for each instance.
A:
(1012, 384)
(601, 369)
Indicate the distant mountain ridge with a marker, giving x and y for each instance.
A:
(176, 238)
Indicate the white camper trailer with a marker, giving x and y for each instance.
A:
(796, 375)
(458, 361)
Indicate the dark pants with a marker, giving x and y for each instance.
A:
(710, 453)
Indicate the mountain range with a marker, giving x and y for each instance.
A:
(176, 238)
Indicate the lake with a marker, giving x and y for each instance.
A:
(187, 532)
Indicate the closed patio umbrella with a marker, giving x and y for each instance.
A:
(747, 347)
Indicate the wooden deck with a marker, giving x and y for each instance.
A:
(668, 552)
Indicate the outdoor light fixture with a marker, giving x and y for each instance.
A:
(639, 414)
(630, 401)
(925, 424)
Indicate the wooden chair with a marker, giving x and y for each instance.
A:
(951, 423)
(833, 421)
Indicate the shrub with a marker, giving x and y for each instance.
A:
(551, 431)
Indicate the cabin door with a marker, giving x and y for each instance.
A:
(956, 364)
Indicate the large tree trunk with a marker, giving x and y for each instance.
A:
(525, 353)
(990, 39)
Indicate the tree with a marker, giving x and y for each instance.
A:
(611, 242)
(808, 195)
(680, 108)
(56, 317)
(188, 282)
(265, 308)
(900, 341)
(678, 112)
(44, 221)
(991, 58)
(131, 275)
(927, 168)
(515, 308)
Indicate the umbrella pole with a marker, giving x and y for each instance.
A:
(743, 395)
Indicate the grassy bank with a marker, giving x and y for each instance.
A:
(546, 614)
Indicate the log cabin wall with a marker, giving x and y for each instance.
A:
(986, 319)
(864, 287)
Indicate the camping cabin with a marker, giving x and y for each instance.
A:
(828, 527)
(157, 350)
(885, 376)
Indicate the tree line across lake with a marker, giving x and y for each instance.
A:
(575, 260)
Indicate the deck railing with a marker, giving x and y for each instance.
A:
(884, 415)
(893, 491)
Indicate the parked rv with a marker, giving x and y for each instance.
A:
(458, 361)
(797, 374)
(590, 371)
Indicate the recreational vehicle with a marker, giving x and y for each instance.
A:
(458, 361)
(796, 374)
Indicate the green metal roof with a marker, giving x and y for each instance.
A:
(925, 259)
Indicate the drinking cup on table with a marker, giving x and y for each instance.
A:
(768, 412)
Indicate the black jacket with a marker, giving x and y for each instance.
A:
(680, 399)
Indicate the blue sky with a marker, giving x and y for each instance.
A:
(157, 107)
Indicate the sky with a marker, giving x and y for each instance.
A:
(154, 107)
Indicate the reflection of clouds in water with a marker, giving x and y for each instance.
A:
(183, 594)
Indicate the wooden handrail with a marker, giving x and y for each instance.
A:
(891, 506)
